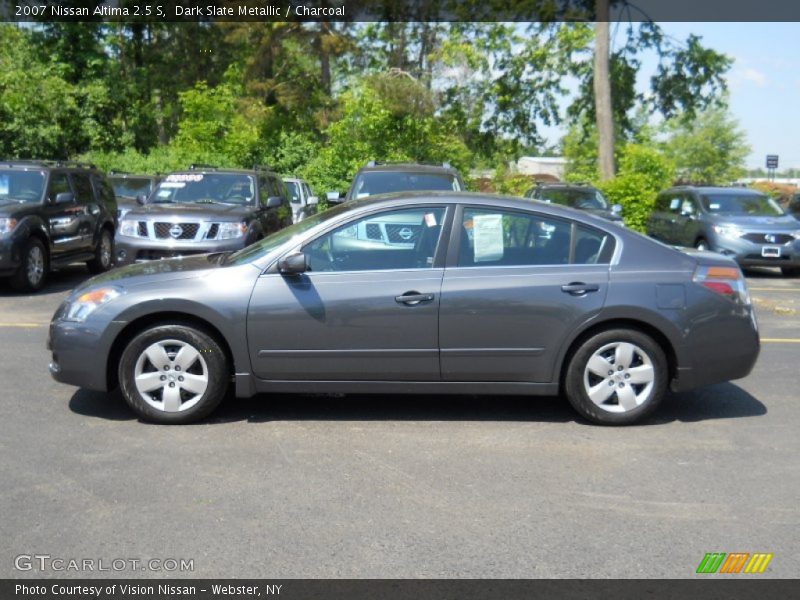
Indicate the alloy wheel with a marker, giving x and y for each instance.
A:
(35, 266)
(619, 377)
(171, 375)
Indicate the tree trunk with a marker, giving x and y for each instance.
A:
(602, 93)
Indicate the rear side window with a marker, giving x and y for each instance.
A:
(103, 190)
(83, 189)
(510, 238)
(58, 184)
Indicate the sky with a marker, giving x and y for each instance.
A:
(764, 83)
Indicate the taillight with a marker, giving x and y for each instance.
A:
(725, 281)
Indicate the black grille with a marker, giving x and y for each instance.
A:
(188, 231)
(142, 229)
(160, 254)
(768, 238)
(374, 231)
(212, 232)
(402, 234)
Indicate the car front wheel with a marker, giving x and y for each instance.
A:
(173, 374)
(617, 377)
(32, 272)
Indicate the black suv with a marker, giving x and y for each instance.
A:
(129, 186)
(201, 210)
(580, 196)
(384, 178)
(53, 214)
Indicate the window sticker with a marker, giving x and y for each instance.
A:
(173, 184)
(487, 237)
(185, 177)
(713, 206)
(362, 195)
(674, 203)
(163, 193)
(430, 219)
(4, 188)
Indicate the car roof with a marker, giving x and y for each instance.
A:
(564, 186)
(710, 189)
(121, 175)
(47, 164)
(408, 167)
(212, 170)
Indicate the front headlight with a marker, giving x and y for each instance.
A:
(129, 228)
(728, 231)
(228, 231)
(7, 225)
(87, 303)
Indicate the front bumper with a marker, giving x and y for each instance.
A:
(131, 250)
(751, 254)
(10, 256)
(80, 352)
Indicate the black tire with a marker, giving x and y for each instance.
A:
(27, 278)
(575, 388)
(790, 271)
(702, 244)
(215, 365)
(103, 254)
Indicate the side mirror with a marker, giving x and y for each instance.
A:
(65, 198)
(616, 209)
(312, 200)
(332, 196)
(141, 199)
(274, 201)
(293, 264)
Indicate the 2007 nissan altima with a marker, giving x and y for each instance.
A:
(423, 293)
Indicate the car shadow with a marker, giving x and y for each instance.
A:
(764, 273)
(723, 401)
(62, 280)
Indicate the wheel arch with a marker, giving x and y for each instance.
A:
(620, 323)
(143, 322)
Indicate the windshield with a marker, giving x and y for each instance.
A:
(21, 186)
(753, 205)
(277, 239)
(294, 191)
(583, 199)
(205, 188)
(130, 187)
(386, 182)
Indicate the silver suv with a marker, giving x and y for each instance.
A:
(744, 224)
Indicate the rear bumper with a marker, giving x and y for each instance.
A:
(131, 250)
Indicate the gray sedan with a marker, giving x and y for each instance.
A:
(495, 295)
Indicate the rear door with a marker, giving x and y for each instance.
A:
(517, 283)
(88, 210)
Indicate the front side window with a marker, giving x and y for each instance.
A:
(205, 188)
(387, 182)
(753, 205)
(58, 185)
(397, 239)
(21, 186)
(508, 238)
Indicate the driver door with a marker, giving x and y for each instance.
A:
(366, 310)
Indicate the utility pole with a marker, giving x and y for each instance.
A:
(602, 92)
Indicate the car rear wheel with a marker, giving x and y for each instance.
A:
(103, 254)
(173, 374)
(32, 272)
(617, 377)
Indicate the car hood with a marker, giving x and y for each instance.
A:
(225, 212)
(154, 272)
(18, 210)
(781, 223)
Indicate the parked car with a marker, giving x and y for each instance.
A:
(129, 187)
(794, 206)
(53, 213)
(386, 178)
(479, 304)
(582, 197)
(302, 201)
(743, 224)
(204, 209)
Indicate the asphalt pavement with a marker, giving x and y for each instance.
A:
(394, 486)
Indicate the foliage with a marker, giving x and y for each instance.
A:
(510, 183)
(707, 149)
(643, 172)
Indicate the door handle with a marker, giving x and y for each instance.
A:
(413, 298)
(579, 289)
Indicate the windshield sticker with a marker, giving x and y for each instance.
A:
(163, 193)
(713, 206)
(488, 237)
(173, 184)
(4, 185)
(362, 195)
(430, 220)
(185, 177)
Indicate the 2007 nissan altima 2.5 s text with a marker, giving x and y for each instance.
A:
(427, 292)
